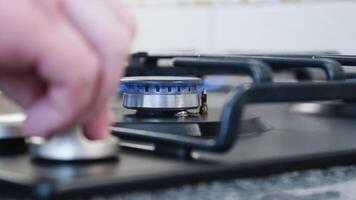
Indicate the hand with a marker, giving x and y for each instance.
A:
(61, 61)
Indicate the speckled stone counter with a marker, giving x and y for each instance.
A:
(329, 184)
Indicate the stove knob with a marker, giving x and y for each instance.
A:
(72, 145)
(11, 119)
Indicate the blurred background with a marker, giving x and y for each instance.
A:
(169, 26)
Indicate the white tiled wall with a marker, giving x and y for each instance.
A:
(252, 25)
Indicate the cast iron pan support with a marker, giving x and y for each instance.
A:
(329, 63)
(332, 68)
(258, 70)
(346, 60)
(181, 146)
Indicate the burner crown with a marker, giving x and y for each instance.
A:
(165, 93)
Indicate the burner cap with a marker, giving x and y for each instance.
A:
(161, 93)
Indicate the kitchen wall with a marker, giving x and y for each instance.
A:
(245, 25)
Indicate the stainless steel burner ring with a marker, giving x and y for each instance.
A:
(161, 93)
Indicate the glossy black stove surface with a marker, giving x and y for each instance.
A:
(293, 141)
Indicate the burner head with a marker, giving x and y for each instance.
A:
(161, 93)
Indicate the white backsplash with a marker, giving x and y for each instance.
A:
(245, 25)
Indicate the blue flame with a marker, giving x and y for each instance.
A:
(173, 88)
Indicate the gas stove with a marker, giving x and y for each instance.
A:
(175, 125)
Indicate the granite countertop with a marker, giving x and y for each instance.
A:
(327, 184)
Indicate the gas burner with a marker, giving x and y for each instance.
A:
(151, 95)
